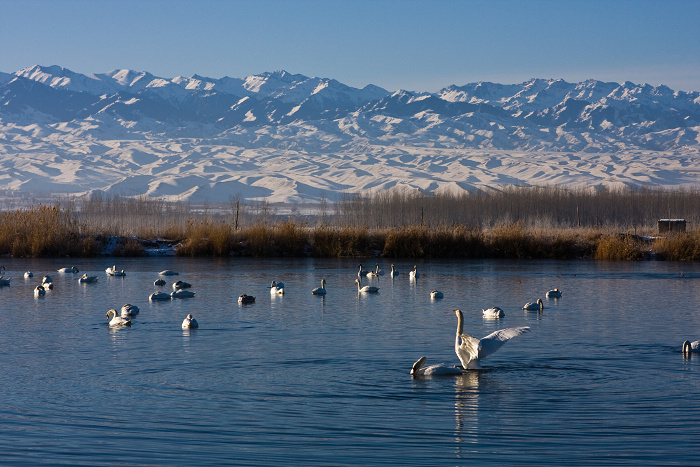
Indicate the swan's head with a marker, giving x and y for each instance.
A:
(189, 316)
(686, 347)
(109, 313)
(418, 365)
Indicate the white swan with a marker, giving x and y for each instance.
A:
(493, 312)
(39, 290)
(85, 279)
(245, 299)
(691, 347)
(129, 310)
(182, 293)
(414, 274)
(361, 273)
(47, 282)
(320, 290)
(28, 274)
(436, 295)
(536, 306)
(168, 272)
(189, 323)
(438, 369)
(71, 269)
(376, 273)
(366, 288)
(471, 350)
(276, 288)
(159, 296)
(159, 282)
(394, 272)
(181, 285)
(554, 293)
(117, 320)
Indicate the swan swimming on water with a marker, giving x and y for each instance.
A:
(277, 288)
(536, 306)
(438, 369)
(4, 281)
(689, 347)
(361, 273)
(39, 290)
(189, 323)
(245, 299)
(159, 296)
(394, 272)
(159, 282)
(414, 274)
(436, 294)
(182, 293)
(471, 350)
(28, 274)
(168, 272)
(47, 282)
(493, 312)
(320, 290)
(554, 293)
(129, 310)
(117, 320)
(366, 288)
(376, 273)
(85, 279)
(71, 269)
(181, 285)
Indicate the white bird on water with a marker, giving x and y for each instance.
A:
(85, 279)
(320, 290)
(39, 290)
(168, 272)
(376, 273)
(554, 293)
(277, 288)
(493, 312)
(129, 310)
(689, 347)
(438, 369)
(71, 269)
(117, 320)
(536, 306)
(436, 295)
(366, 288)
(414, 274)
(189, 323)
(394, 272)
(471, 350)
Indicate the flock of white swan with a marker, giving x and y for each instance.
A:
(469, 350)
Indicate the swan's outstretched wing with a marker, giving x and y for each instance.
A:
(495, 340)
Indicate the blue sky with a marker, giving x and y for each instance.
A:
(414, 45)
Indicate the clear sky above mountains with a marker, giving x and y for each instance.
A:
(414, 45)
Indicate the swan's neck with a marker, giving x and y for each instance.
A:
(459, 322)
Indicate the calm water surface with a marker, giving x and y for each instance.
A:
(310, 380)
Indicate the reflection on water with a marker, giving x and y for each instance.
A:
(466, 410)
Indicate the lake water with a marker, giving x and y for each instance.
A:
(309, 380)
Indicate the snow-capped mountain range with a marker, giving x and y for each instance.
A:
(285, 137)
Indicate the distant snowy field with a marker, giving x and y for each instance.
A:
(286, 138)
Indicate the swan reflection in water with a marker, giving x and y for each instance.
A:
(466, 411)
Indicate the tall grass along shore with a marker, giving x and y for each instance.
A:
(516, 222)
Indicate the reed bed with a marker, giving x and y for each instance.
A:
(516, 223)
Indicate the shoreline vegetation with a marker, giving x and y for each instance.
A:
(514, 223)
